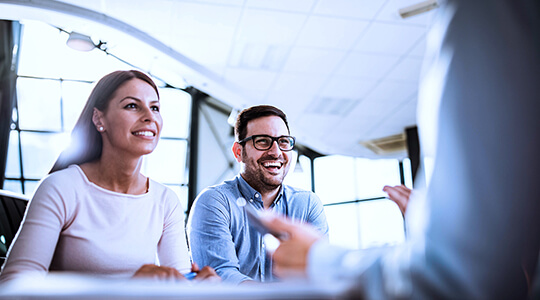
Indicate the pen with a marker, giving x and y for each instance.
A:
(190, 275)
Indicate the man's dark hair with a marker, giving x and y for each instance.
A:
(255, 112)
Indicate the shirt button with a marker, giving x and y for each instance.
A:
(256, 195)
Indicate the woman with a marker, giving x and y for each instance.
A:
(96, 213)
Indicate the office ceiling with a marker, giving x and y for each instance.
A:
(344, 71)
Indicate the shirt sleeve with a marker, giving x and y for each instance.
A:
(40, 230)
(210, 238)
(316, 215)
(172, 247)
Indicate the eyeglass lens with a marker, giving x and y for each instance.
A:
(265, 142)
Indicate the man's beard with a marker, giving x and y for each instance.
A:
(256, 177)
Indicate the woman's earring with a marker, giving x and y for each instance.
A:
(100, 128)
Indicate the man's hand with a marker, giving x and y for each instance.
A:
(207, 273)
(290, 258)
(400, 194)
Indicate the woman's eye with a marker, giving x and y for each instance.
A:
(155, 108)
(131, 105)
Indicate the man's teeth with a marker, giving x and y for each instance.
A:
(144, 133)
(272, 164)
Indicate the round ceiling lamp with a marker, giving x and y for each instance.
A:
(80, 42)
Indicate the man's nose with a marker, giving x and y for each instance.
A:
(274, 148)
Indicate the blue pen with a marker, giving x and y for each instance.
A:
(190, 275)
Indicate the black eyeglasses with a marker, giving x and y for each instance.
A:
(264, 142)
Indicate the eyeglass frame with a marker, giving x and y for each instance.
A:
(274, 139)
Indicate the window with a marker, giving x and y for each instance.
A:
(346, 185)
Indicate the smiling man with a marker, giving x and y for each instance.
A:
(218, 229)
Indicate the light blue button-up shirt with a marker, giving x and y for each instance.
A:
(220, 236)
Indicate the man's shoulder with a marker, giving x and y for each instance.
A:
(225, 190)
(292, 191)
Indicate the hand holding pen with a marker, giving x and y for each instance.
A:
(206, 273)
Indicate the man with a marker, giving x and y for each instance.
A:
(481, 238)
(218, 230)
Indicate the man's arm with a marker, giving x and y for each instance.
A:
(210, 238)
(316, 216)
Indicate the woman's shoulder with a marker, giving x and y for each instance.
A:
(64, 177)
(161, 191)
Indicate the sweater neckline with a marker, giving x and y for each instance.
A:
(97, 187)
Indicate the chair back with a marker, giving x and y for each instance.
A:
(12, 208)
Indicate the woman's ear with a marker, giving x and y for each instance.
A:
(96, 119)
(237, 151)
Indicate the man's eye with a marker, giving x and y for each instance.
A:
(284, 142)
(262, 141)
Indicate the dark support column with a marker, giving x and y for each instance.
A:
(197, 97)
(9, 37)
(413, 149)
(401, 173)
(312, 163)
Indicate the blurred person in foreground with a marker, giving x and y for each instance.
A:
(478, 227)
(218, 229)
(95, 213)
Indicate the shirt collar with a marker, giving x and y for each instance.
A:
(250, 193)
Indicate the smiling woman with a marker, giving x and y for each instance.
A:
(77, 226)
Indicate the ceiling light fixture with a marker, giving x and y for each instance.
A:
(418, 8)
(80, 42)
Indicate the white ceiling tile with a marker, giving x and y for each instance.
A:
(142, 16)
(250, 80)
(392, 93)
(367, 65)
(346, 87)
(407, 70)
(316, 125)
(363, 9)
(389, 38)
(208, 21)
(255, 96)
(269, 27)
(292, 103)
(335, 106)
(333, 33)
(259, 56)
(286, 5)
(212, 53)
(313, 61)
(292, 83)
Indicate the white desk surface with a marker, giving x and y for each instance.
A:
(75, 286)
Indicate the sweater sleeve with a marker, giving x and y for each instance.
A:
(33, 247)
(172, 247)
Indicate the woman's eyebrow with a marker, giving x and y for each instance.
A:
(137, 99)
(130, 97)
